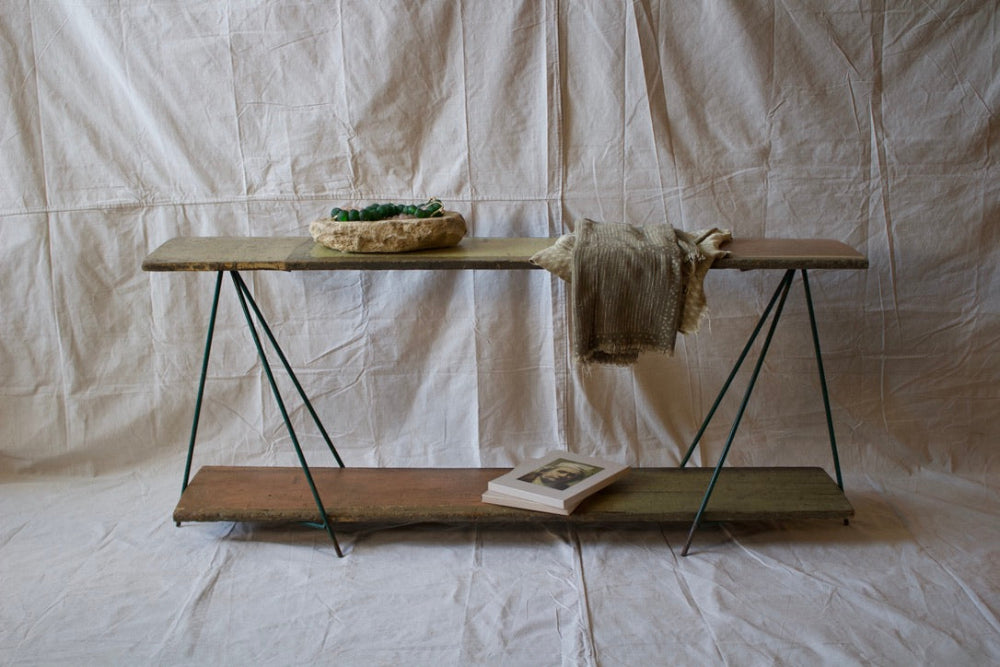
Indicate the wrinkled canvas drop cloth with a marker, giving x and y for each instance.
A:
(633, 288)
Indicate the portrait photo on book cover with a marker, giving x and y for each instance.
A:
(560, 474)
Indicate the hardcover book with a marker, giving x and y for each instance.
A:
(556, 482)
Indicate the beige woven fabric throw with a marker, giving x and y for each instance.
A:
(627, 291)
(698, 251)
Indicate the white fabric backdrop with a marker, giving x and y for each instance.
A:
(130, 122)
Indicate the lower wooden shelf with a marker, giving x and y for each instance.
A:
(355, 497)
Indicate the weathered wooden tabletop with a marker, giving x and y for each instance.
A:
(294, 253)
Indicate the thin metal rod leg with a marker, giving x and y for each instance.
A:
(288, 369)
(736, 368)
(822, 380)
(786, 283)
(284, 413)
(201, 382)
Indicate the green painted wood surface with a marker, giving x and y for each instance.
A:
(394, 496)
(218, 253)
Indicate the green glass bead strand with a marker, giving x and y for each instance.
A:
(382, 211)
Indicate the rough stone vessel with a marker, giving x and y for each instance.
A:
(398, 234)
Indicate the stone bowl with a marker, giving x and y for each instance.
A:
(396, 234)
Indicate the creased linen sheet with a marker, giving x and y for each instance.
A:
(130, 122)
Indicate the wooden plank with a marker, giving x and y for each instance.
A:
(395, 496)
(748, 254)
(302, 254)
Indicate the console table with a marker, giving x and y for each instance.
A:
(334, 497)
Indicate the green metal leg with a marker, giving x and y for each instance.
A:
(201, 382)
(822, 380)
(783, 288)
(736, 367)
(244, 296)
(241, 286)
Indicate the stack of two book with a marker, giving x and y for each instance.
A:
(555, 483)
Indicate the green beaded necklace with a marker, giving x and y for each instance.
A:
(432, 208)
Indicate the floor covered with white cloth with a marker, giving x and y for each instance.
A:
(109, 579)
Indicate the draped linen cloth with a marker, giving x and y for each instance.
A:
(633, 288)
(627, 291)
